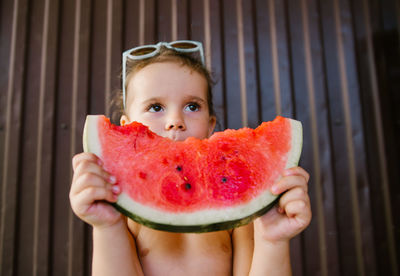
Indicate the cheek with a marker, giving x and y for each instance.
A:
(200, 129)
(155, 124)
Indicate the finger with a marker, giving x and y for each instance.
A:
(88, 166)
(78, 158)
(295, 194)
(89, 196)
(300, 211)
(289, 182)
(89, 180)
(297, 171)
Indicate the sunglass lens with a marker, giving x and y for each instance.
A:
(142, 51)
(184, 45)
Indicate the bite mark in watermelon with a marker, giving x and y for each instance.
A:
(195, 185)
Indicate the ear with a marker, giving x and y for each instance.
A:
(124, 120)
(211, 125)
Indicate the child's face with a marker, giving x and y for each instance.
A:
(171, 100)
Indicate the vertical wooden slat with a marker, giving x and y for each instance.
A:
(312, 86)
(164, 15)
(62, 227)
(150, 23)
(131, 18)
(265, 68)
(196, 9)
(15, 57)
(312, 110)
(242, 65)
(207, 33)
(174, 20)
(44, 163)
(182, 27)
(231, 65)
(250, 55)
(31, 133)
(216, 61)
(374, 133)
(274, 55)
(76, 238)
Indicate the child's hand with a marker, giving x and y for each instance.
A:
(91, 187)
(293, 213)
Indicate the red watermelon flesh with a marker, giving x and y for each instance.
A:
(195, 185)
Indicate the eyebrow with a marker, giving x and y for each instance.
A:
(187, 98)
(195, 98)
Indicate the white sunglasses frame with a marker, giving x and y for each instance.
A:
(127, 54)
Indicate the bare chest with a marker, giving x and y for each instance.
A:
(163, 253)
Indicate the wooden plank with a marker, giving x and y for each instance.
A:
(79, 253)
(13, 130)
(182, 20)
(116, 50)
(132, 17)
(197, 20)
(231, 64)
(312, 110)
(216, 59)
(164, 20)
(98, 58)
(44, 164)
(250, 55)
(30, 171)
(61, 213)
(150, 25)
(377, 168)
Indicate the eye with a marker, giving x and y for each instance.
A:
(192, 107)
(155, 108)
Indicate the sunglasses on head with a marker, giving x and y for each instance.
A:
(148, 51)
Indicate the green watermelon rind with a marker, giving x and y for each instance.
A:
(197, 228)
(201, 221)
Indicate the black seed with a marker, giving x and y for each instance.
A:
(188, 186)
(224, 179)
(178, 168)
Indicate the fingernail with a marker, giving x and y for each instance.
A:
(280, 210)
(99, 162)
(116, 189)
(274, 190)
(112, 179)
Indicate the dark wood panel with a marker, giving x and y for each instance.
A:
(61, 212)
(250, 55)
(231, 74)
(13, 142)
(183, 18)
(333, 64)
(44, 178)
(164, 20)
(217, 62)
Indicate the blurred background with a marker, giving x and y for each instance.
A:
(332, 64)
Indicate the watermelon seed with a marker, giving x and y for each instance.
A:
(178, 168)
(188, 186)
(224, 179)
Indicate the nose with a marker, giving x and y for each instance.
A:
(175, 122)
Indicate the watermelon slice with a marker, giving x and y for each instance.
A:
(195, 185)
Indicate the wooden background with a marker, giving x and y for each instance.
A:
(333, 64)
